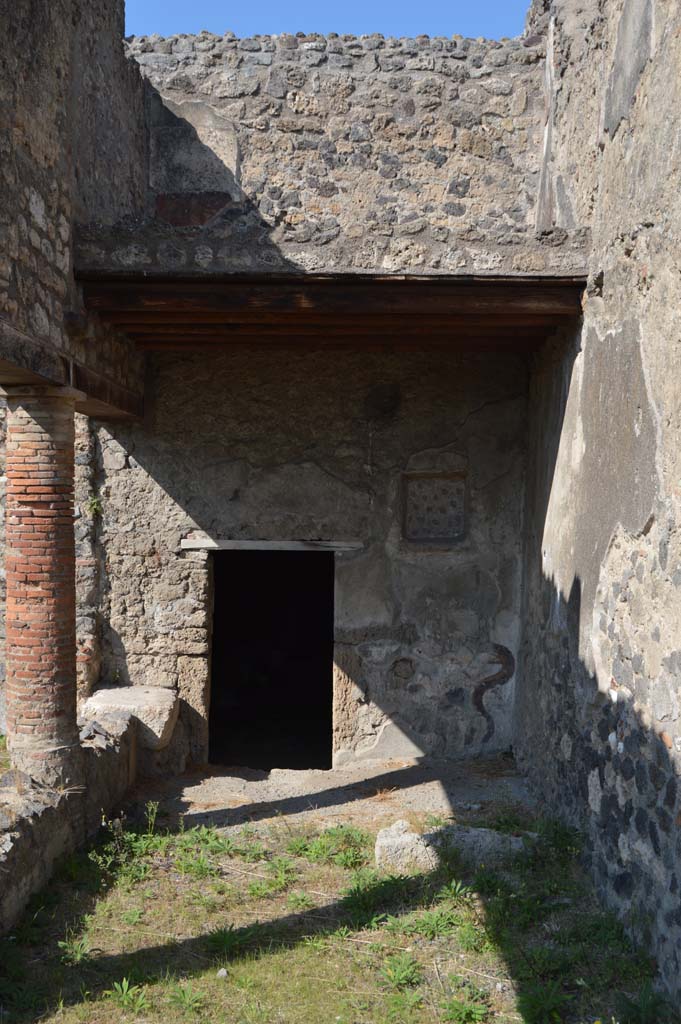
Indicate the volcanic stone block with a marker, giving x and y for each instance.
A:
(155, 708)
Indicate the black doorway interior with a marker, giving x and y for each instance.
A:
(272, 667)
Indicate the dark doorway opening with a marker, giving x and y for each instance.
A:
(272, 667)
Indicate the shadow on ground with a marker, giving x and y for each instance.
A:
(236, 795)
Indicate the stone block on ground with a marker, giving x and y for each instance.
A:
(155, 708)
(401, 850)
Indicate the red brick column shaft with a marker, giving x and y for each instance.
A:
(40, 566)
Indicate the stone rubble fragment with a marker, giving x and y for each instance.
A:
(402, 850)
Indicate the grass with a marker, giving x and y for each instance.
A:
(268, 926)
(4, 755)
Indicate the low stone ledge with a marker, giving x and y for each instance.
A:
(38, 824)
(41, 829)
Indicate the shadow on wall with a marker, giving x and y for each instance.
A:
(585, 735)
(596, 761)
(194, 187)
(418, 640)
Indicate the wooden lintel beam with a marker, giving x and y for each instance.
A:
(148, 323)
(451, 336)
(489, 344)
(326, 299)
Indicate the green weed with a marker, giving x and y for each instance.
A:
(132, 916)
(403, 1005)
(603, 930)
(208, 839)
(252, 852)
(436, 821)
(563, 842)
(75, 949)
(282, 873)
(510, 822)
(402, 971)
(299, 901)
(229, 941)
(298, 846)
(186, 998)
(368, 894)
(93, 506)
(549, 962)
(127, 996)
(195, 864)
(648, 1007)
(543, 1004)
(206, 900)
(455, 891)
(151, 813)
(75, 869)
(462, 1010)
(432, 924)
(472, 938)
(489, 884)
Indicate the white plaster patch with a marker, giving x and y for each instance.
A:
(36, 205)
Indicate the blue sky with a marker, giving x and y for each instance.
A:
(490, 18)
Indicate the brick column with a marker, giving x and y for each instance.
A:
(40, 566)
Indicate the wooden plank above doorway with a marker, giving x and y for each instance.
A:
(202, 542)
(345, 311)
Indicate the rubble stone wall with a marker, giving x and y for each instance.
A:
(73, 147)
(339, 154)
(598, 713)
(314, 445)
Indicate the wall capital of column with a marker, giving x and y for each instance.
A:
(18, 391)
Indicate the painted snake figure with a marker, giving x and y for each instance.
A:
(499, 678)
